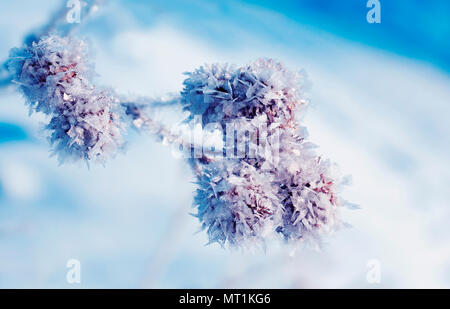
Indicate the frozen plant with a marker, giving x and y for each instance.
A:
(286, 189)
(236, 203)
(54, 75)
(221, 92)
(275, 185)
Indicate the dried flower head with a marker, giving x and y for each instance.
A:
(234, 204)
(222, 93)
(54, 75)
(286, 189)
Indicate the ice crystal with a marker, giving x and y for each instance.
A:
(287, 189)
(54, 75)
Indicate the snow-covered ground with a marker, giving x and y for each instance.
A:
(381, 116)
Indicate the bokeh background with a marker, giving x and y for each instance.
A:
(380, 109)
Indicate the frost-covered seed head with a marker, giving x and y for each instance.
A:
(248, 199)
(234, 203)
(222, 93)
(54, 76)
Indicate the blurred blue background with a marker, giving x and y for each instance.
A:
(380, 105)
